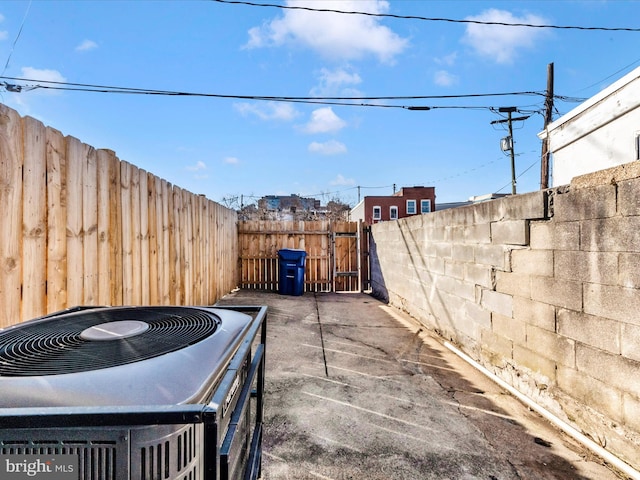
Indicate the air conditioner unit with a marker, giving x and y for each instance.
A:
(144, 393)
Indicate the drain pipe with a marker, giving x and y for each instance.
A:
(568, 429)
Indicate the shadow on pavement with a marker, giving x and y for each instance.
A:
(355, 390)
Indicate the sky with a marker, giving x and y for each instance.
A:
(233, 142)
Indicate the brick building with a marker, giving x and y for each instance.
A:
(406, 202)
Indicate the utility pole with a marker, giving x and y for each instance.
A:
(510, 110)
(510, 142)
(548, 116)
(358, 193)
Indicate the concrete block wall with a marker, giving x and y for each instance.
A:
(542, 288)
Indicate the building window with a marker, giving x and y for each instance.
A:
(393, 213)
(425, 206)
(411, 207)
(377, 213)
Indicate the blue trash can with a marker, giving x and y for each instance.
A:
(291, 276)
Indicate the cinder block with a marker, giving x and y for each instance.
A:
(561, 293)
(483, 212)
(482, 275)
(554, 235)
(613, 370)
(478, 233)
(434, 234)
(579, 204)
(629, 197)
(494, 255)
(532, 262)
(435, 265)
(589, 391)
(617, 303)
(443, 249)
(462, 252)
(477, 314)
(513, 284)
(497, 302)
(535, 313)
(551, 345)
(628, 271)
(527, 206)
(454, 269)
(597, 332)
(510, 232)
(630, 347)
(514, 330)
(617, 234)
(534, 361)
(496, 346)
(461, 216)
(631, 412)
(457, 288)
(591, 267)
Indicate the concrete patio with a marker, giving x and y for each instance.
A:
(358, 390)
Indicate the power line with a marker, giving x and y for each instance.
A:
(13, 46)
(130, 90)
(341, 101)
(431, 19)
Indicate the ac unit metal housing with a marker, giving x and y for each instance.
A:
(138, 393)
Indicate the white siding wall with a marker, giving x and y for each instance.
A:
(598, 134)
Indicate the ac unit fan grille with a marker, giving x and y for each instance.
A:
(55, 346)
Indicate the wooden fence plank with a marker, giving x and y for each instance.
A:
(11, 201)
(73, 187)
(260, 241)
(56, 160)
(154, 276)
(143, 236)
(80, 227)
(127, 234)
(34, 220)
(116, 271)
(164, 251)
(104, 186)
(176, 248)
(89, 225)
(136, 237)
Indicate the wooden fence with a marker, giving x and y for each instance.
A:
(81, 227)
(332, 262)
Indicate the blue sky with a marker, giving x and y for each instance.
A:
(227, 147)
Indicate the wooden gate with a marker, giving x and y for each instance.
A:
(332, 254)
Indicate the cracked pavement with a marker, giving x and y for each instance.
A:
(358, 390)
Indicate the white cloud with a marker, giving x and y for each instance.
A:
(333, 35)
(324, 120)
(268, 110)
(231, 160)
(42, 74)
(448, 60)
(341, 180)
(3, 33)
(336, 83)
(199, 166)
(86, 45)
(502, 43)
(444, 78)
(332, 147)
